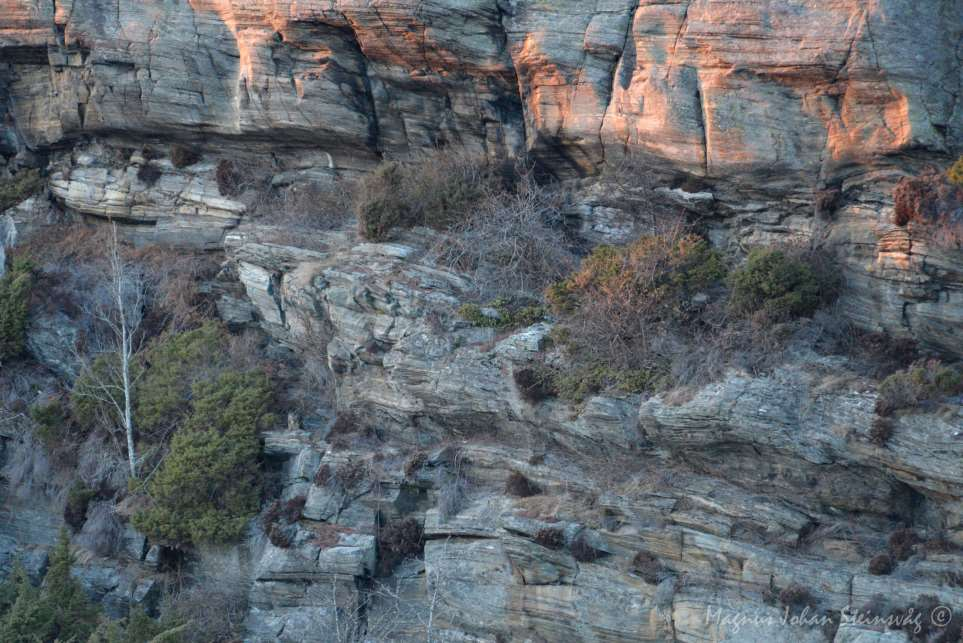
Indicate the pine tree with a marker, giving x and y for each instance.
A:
(29, 619)
(14, 302)
(74, 616)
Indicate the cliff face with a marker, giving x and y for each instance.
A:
(767, 120)
(797, 90)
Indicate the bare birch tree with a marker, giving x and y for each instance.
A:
(117, 312)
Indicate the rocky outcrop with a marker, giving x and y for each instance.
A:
(651, 520)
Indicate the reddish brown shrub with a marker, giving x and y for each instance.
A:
(521, 487)
(293, 508)
(229, 179)
(881, 565)
(931, 199)
(398, 541)
(550, 538)
(648, 567)
(796, 597)
(148, 174)
(902, 543)
(584, 552)
(182, 156)
(323, 476)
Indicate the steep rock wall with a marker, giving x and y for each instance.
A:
(796, 89)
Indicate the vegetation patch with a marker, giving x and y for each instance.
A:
(520, 486)
(208, 487)
(881, 431)
(902, 542)
(75, 509)
(955, 173)
(19, 188)
(797, 598)
(183, 156)
(59, 610)
(536, 383)
(648, 567)
(925, 380)
(616, 307)
(149, 174)
(398, 541)
(175, 364)
(508, 314)
(53, 422)
(550, 538)
(583, 552)
(779, 286)
(881, 565)
(15, 288)
(435, 191)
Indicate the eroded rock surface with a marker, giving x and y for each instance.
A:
(753, 485)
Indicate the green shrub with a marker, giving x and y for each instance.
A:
(60, 611)
(175, 363)
(15, 287)
(209, 485)
(435, 191)
(778, 285)
(925, 380)
(22, 186)
(53, 422)
(509, 314)
(583, 381)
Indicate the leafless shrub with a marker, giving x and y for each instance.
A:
(304, 206)
(437, 190)
(212, 603)
(453, 491)
(385, 611)
(881, 431)
(511, 243)
(934, 202)
(248, 178)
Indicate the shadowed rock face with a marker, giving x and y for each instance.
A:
(795, 90)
